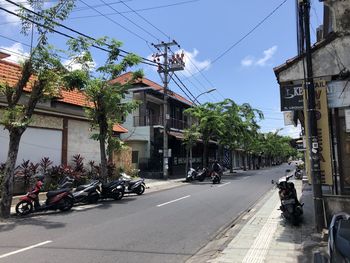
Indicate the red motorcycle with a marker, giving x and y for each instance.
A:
(61, 199)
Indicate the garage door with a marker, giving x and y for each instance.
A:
(36, 143)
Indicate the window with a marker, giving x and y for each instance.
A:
(135, 156)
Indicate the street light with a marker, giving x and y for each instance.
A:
(205, 92)
(190, 120)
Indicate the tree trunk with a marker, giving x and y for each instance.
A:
(205, 155)
(187, 160)
(244, 162)
(231, 161)
(191, 161)
(7, 184)
(103, 166)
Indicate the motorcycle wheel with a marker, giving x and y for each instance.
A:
(294, 219)
(93, 199)
(24, 207)
(118, 195)
(67, 204)
(141, 190)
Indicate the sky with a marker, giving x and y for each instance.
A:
(217, 38)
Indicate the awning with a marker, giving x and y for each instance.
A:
(177, 135)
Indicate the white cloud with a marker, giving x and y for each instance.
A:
(16, 51)
(262, 61)
(192, 64)
(247, 61)
(268, 53)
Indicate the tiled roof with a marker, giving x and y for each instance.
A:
(119, 128)
(125, 77)
(11, 72)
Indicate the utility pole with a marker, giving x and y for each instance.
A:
(169, 65)
(312, 123)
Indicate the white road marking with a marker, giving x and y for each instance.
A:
(245, 177)
(24, 249)
(174, 200)
(221, 185)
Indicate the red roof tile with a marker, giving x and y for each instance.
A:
(11, 72)
(119, 128)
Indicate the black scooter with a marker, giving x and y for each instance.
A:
(114, 189)
(298, 174)
(136, 186)
(290, 205)
(87, 193)
(196, 174)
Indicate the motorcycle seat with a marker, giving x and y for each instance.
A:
(343, 238)
(56, 192)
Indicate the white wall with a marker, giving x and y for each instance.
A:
(80, 142)
(35, 144)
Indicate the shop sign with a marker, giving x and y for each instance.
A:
(291, 97)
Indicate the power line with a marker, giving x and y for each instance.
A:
(138, 10)
(140, 27)
(79, 9)
(195, 99)
(249, 32)
(166, 35)
(114, 22)
(146, 61)
(244, 36)
(146, 20)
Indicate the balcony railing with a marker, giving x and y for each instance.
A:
(154, 120)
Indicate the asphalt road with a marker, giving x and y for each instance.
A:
(165, 226)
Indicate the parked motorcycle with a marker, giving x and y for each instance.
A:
(136, 186)
(215, 177)
(290, 205)
(61, 199)
(216, 173)
(298, 174)
(196, 174)
(88, 193)
(114, 189)
(339, 238)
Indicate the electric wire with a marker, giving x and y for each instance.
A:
(115, 22)
(195, 99)
(126, 12)
(124, 16)
(146, 20)
(145, 60)
(245, 35)
(167, 36)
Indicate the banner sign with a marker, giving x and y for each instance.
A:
(323, 134)
(291, 97)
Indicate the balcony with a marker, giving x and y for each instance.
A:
(154, 120)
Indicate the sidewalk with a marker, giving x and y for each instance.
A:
(262, 235)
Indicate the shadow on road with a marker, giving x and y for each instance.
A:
(32, 221)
